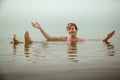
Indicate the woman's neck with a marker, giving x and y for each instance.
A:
(70, 38)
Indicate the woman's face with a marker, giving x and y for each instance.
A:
(72, 31)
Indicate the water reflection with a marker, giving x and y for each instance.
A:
(14, 48)
(110, 48)
(72, 52)
(44, 44)
(26, 50)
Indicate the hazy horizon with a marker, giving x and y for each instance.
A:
(90, 15)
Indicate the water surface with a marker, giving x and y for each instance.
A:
(48, 60)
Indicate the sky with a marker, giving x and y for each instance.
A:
(16, 15)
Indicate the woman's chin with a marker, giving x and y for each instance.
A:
(72, 35)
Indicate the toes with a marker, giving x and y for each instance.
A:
(113, 32)
(13, 36)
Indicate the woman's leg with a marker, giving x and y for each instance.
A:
(14, 40)
(27, 38)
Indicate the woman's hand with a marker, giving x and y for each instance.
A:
(36, 25)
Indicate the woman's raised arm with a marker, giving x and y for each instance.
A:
(46, 35)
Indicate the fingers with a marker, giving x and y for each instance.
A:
(32, 24)
(37, 23)
(110, 34)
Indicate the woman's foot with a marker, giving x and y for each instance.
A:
(28, 40)
(14, 40)
(109, 36)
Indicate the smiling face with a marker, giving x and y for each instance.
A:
(72, 29)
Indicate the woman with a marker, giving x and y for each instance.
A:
(72, 35)
(72, 32)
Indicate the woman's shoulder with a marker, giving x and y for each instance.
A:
(80, 39)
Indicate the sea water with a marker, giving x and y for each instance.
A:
(47, 60)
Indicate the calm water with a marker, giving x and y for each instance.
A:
(89, 60)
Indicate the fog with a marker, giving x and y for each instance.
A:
(16, 15)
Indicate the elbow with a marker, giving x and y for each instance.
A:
(48, 38)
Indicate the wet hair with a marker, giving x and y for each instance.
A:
(71, 24)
